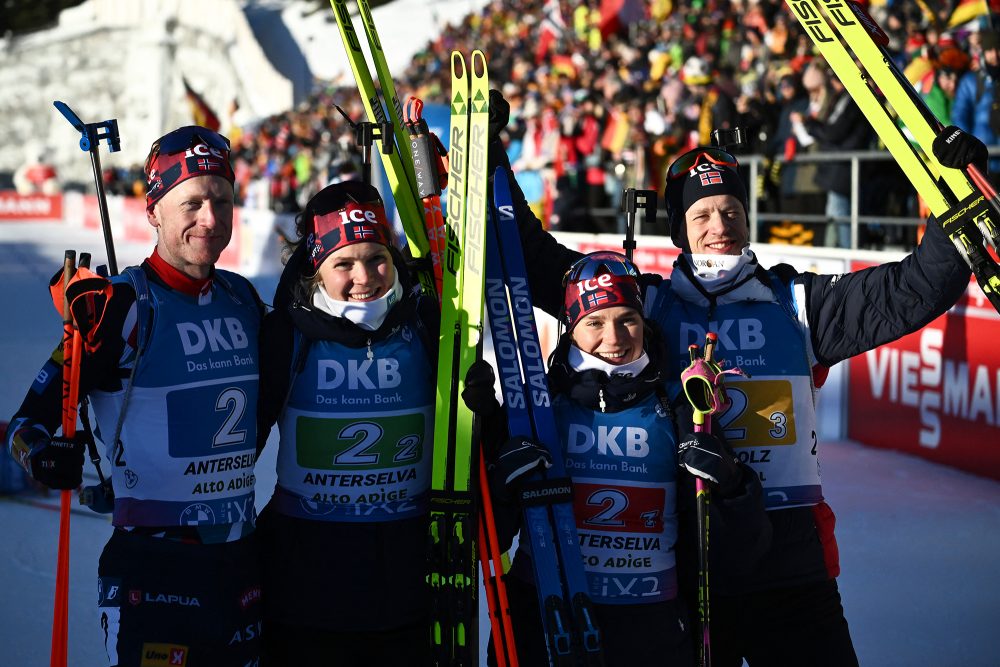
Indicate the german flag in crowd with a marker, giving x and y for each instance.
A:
(200, 111)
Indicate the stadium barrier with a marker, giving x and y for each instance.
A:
(934, 393)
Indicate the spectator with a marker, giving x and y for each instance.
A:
(799, 187)
(976, 109)
(843, 129)
(36, 175)
(784, 145)
(939, 95)
(671, 78)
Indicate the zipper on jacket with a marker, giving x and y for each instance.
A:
(371, 353)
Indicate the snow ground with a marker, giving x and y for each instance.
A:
(918, 541)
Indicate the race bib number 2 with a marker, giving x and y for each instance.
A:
(359, 444)
(203, 421)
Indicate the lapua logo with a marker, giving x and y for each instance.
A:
(217, 334)
(367, 374)
(171, 599)
(630, 441)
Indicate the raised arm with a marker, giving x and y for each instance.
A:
(856, 312)
(547, 259)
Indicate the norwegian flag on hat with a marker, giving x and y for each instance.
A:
(355, 223)
(605, 291)
(596, 298)
(167, 170)
(206, 164)
(711, 177)
(359, 232)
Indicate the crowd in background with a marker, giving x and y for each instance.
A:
(597, 107)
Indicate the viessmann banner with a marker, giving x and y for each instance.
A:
(936, 392)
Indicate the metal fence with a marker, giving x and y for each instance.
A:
(856, 218)
(752, 165)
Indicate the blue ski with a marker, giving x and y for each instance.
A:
(571, 635)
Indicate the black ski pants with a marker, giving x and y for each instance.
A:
(633, 635)
(287, 645)
(787, 627)
(166, 602)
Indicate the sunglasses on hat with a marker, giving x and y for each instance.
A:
(685, 163)
(598, 263)
(184, 138)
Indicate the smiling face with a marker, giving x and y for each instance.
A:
(716, 225)
(613, 335)
(194, 222)
(358, 272)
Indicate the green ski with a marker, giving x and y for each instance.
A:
(403, 193)
(392, 102)
(454, 522)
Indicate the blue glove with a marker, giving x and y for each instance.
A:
(56, 462)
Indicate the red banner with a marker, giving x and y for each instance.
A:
(16, 207)
(134, 221)
(649, 258)
(936, 392)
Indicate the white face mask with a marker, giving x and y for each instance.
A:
(712, 267)
(366, 314)
(715, 271)
(581, 361)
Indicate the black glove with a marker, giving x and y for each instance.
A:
(499, 114)
(707, 457)
(516, 459)
(479, 395)
(958, 149)
(56, 462)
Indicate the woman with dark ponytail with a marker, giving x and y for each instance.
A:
(348, 374)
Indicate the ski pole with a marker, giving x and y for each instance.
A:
(90, 139)
(703, 499)
(366, 134)
(632, 201)
(702, 382)
(72, 352)
(493, 569)
(90, 142)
